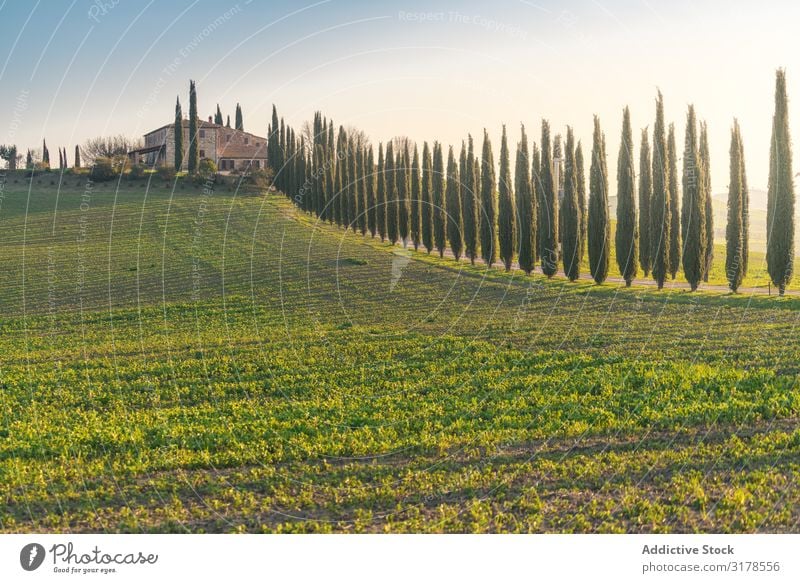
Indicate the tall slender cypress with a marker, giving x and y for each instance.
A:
(674, 205)
(273, 145)
(571, 223)
(319, 181)
(439, 214)
(693, 223)
(371, 203)
(705, 158)
(523, 197)
(178, 132)
(239, 120)
(381, 203)
(392, 230)
(734, 258)
(580, 179)
(469, 202)
(745, 211)
(488, 211)
(77, 157)
(598, 224)
(506, 223)
(453, 206)
(645, 197)
(426, 204)
(340, 196)
(402, 172)
(361, 190)
(352, 185)
(218, 116)
(536, 196)
(660, 214)
(780, 193)
(548, 208)
(415, 201)
(194, 151)
(627, 236)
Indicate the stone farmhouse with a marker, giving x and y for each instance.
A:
(230, 149)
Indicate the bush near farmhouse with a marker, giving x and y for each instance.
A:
(167, 173)
(103, 170)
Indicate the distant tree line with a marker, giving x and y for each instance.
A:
(542, 215)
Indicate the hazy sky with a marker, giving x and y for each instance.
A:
(428, 69)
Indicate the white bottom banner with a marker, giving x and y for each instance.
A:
(372, 558)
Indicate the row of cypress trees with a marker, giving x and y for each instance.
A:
(543, 215)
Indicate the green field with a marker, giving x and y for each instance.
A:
(200, 361)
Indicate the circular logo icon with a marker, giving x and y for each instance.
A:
(31, 556)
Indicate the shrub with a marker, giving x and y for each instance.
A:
(166, 172)
(137, 171)
(261, 178)
(103, 170)
(207, 167)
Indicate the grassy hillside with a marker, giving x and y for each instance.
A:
(213, 361)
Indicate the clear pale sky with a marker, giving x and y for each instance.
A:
(74, 69)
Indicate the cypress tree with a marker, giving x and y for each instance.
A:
(239, 120)
(439, 215)
(415, 201)
(705, 158)
(330, 176)
(536, 196)
(627, 235)
(29, 160)
(426, 207)
(660, 213)
(284, 158)
(402, 172)
(392, 216)
(381, 203)
(194, 151)
(780, 193)
(60, 160)
(469, 202)
(352, 186)
(372, 219)
(548, 208)
(476, 189)
(45, 154)
(488, 223)
(66, 164)
(598, 224)
(745, 211)
(734, 251)
(558, 187)
(506, 222)
(453, 206)
(525, 208)
(218, 116)
(319, 181)
(361, 190)
(580, 178)
(571, 237)
(178, 131)
(674, 205)
(273, 145)
(340, 196)
(645, 198)
(77, 157)
(693, 223)
(228, 122)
